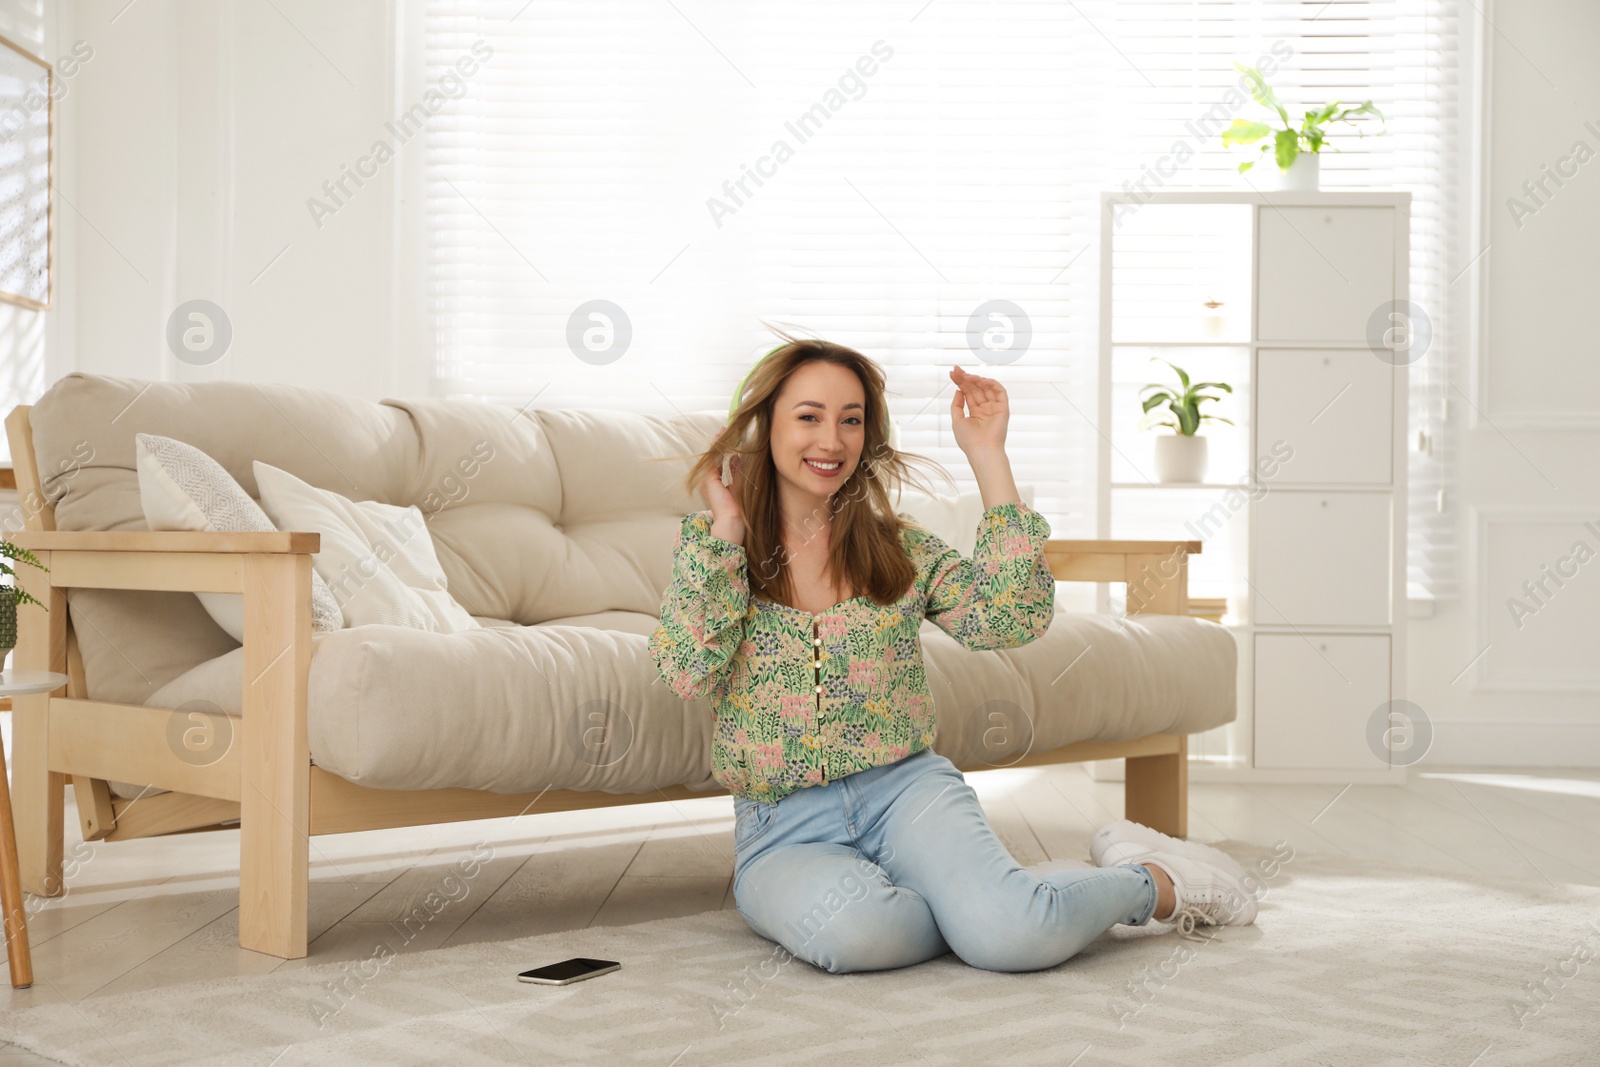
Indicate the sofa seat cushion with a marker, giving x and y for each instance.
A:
(576, 703)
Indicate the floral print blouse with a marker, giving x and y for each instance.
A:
(802, 699)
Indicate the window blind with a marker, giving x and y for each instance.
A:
(880, 175)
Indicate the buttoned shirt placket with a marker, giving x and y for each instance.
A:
(816, 667)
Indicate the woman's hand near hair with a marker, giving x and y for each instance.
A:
(727, 519)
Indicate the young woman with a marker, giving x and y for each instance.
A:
(795, 605)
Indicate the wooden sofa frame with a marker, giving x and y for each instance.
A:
(266, 783)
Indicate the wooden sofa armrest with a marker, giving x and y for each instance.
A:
(1155, 572)
(184, 561)
(1156, 785)
(269, 776)
(166, 541)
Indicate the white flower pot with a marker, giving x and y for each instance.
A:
(1303, 175)
(1180, 458)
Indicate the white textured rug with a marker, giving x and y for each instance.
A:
(1347, 963)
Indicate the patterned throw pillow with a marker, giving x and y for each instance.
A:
(377, 558)
(182, 488)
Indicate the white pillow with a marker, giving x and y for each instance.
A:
(377, 558)
(182, 488)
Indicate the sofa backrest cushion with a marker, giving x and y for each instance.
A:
(534, 514)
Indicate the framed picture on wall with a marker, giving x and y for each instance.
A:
(26, 105)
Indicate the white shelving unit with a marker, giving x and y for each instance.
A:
(1303, 513)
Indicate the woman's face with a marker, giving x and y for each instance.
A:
(818, 420)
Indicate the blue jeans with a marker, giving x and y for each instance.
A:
(898, 864)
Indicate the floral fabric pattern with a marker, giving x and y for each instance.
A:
(802, 699)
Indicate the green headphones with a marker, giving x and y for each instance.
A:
(733, 405)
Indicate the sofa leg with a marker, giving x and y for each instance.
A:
(38, 794)
(1156, 790)
(273, 898)
(275, 763)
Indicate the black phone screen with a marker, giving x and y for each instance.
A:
(558, 972)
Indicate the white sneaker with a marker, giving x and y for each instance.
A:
(1209, 883)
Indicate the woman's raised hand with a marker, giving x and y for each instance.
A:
(982, 427)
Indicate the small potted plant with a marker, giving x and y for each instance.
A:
(1296, 151)
(10, 595)
(1180, 455)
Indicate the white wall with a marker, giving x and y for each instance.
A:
(1528, 415)
(202, 130)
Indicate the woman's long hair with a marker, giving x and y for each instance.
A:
(865, 547)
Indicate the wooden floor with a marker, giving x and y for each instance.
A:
(152, 913)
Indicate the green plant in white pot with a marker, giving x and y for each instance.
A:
(1180, 455)
(1296, 151)
(11, 595)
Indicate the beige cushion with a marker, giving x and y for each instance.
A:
(377, 558)
(182, 488)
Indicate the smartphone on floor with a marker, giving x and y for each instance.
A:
(568, 971)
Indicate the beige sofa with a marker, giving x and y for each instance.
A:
(559, 543)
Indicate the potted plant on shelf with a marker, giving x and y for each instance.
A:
(1180, 455)
(10, 595)
(1296, 151)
